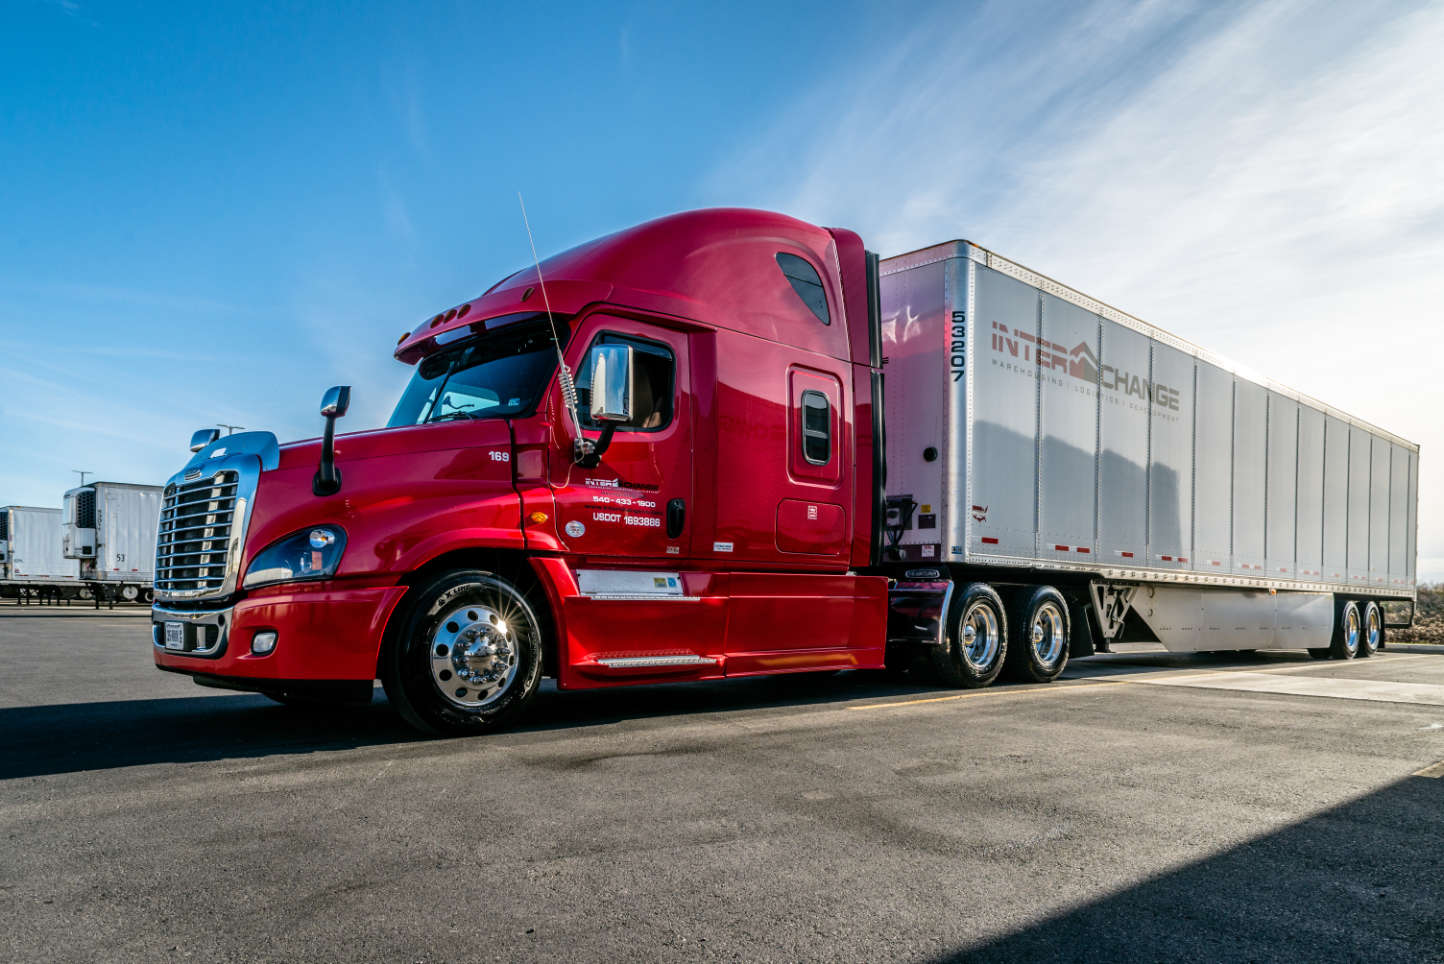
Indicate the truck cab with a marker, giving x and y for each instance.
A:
(702, 504)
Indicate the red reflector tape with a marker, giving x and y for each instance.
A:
(1084, 549)
(1166, 558)
(989, 540)
(1129, 555)
(1061, 548)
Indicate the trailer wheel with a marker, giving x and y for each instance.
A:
(1042, 635)
(1373, 624)
(468, 656)
(1348, 628)
(130, 593)
(977, 643)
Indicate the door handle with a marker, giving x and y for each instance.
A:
(676, 517)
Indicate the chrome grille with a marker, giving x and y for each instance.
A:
(194, 538)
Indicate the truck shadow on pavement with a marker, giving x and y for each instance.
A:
(76, 737)
(1360, 881)
(79, 737)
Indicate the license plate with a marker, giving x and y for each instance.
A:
(175, 635)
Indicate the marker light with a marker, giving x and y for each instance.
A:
(263, 642)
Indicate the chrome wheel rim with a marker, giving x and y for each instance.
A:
(1046, 633)
(980, 636)
(1351, 628)
(1372, 628)
(476, 648)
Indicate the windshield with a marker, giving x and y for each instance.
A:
(495, 375)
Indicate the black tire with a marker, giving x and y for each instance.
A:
(959, 664)
(427, 653)
(1345, 644)
(1371, 640)
(1324, 653)
(1044, 611)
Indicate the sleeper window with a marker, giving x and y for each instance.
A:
(807, 283)
(816, 428)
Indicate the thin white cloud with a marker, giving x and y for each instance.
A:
(395, 210)
(1262, 180)
(401, 86)
(112, 295)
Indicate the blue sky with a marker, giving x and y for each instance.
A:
(211, 212)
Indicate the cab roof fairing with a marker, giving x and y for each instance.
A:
(714, 266)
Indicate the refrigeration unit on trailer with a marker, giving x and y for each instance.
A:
(1177, 497)
(110, 528)
(30, 552)
(778, 456)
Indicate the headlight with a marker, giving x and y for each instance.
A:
(311, 553)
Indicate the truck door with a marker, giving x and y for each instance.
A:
(635, 505)
(630, 519)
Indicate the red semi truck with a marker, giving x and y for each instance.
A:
(777, 455)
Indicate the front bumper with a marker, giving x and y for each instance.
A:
(323, 633)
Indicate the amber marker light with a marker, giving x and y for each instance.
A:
(538, 517)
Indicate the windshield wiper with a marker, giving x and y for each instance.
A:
(451, 415)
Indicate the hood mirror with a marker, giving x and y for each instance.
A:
(334, 403)
(202, 437)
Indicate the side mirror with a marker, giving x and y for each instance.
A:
(613, 384)
(202, 437)
(613, 401)
(335, 402)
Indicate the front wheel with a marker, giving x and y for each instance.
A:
(468, 656)
(977, 642)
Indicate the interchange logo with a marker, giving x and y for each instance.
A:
(1080, 362)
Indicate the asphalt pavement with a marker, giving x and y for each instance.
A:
(1145, 807)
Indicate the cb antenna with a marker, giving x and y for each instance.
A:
(569, 387)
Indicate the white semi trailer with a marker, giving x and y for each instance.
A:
(1174, 497)
(32, 564)
(110, 530)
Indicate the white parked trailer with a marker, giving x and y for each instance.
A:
(110, 527)
(1073, 444)
(30, 548)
